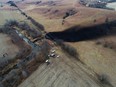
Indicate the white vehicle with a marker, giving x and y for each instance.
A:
(58, 56)
(53, 51)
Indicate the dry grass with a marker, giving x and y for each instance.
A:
(10, 15)
(6, 46)
(98, 58)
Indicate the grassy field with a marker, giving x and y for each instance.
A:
(98, 58)
(6, 46)
(10, 14)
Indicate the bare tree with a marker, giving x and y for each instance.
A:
(68, 49)
(45, 48)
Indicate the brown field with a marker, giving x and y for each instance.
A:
(10, 13)
(66, 71)
(6, 47)
(98, 58)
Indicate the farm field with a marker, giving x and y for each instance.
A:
(90, 31)
(98, 58)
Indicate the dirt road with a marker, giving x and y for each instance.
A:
(62, 72)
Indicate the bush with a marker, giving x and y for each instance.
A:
(31, 31)
(103, 79)
(24, 26)
(37, 24)
(12, 3)
(45, 48)
(23, 13)
(70, 13)
(6, 30)
(40, 57)
(11, 23)
(68, 49)
(105, 45)
(3, 63)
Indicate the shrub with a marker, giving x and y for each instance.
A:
(45, 48)
(105, 45)
(98, 42)
(30, 31)
(68, 49)
(6, 30)
(66, 15)
(12, 3)
(37, 24)
(69, 13)
(24, 26)
(94, 20)
(28, 17)
(23, 13)
(11, 23)
(3, 63)
(40, 57)
(103, 79)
